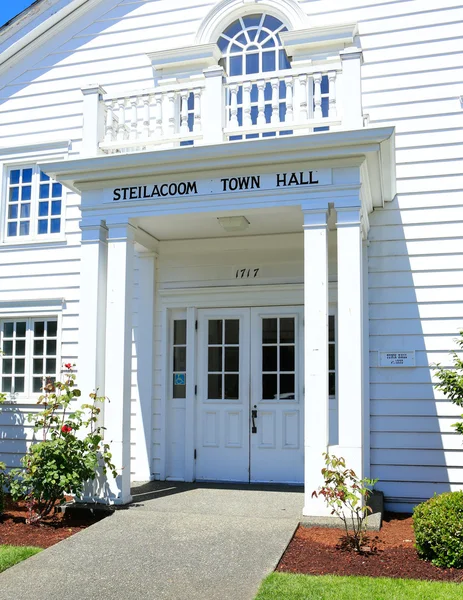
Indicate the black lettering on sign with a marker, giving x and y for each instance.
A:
(117, 195)
(289, 179)
(248, 182)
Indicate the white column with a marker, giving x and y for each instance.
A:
(119, 355)
(94, 119)
(144, 347)
(213, 106)
(352, 115)
(92, 309)
(315, 355)
(350, 338)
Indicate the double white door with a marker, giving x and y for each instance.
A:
(250, 395)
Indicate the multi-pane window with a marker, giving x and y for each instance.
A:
(179, 359)
(278, 358)
(30, 353)
(34, 204)
(223, 359)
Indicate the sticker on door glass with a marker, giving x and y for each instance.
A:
(179, 379)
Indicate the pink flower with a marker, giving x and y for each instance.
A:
(66, 429)
(68, 366)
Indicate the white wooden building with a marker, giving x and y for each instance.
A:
(241, 220)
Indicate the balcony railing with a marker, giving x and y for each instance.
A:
(215, 109)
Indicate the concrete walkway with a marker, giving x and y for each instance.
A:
(176, 542)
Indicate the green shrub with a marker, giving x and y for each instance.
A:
(438, 525)
(3, 482)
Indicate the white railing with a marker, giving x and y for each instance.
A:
(281, 103)
(157, 117)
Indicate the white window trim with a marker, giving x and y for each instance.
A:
(48, 308)
(20, 157)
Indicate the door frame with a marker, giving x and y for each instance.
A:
(191, 299)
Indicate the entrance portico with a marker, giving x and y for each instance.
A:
(337, 179)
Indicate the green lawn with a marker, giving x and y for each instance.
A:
(285, 586)
(10, 555)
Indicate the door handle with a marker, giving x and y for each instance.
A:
(254, 417)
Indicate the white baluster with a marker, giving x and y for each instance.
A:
(197, 111)
(146, 116)
(303, 101)
(109, 130)
(184, 128)
(234, 106)
(158, 130)
(171, 113)
(317, 79)
(261, 102)
(289, 116)
(332, 111)
(134, 118)
(121, 115)
(275, 101)
(247, 119)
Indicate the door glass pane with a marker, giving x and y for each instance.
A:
(332, 360)
(215, 359)
(214, 387)
(179, 385)
(232, 331)
(269, 358)
(21, 329)
(286, 358)
(39, 329)
(287, 331)
(331, 332)
(232, 359)
(287, 387)
(269, 387)
(19, 385)
(180, 359)
(332, 384)
(215, 331)
(269, 331)
(179, 332)
(8, 329)
(232, 387)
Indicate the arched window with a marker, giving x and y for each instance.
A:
(252, 45)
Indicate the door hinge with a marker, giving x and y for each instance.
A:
(196, 325)
(196, 390)
(195, 453)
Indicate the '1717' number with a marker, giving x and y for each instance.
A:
(246, 273)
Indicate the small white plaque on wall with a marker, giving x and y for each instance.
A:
(397, 359)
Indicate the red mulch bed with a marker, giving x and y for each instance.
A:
(318, 551)
(16, 532)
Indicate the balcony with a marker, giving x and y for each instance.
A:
(204, 106)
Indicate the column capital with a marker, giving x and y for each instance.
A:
(92, 88)
(349, 216)
(121, 229)
(93, 232)
(315, 218)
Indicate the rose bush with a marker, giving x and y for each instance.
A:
(70, 452)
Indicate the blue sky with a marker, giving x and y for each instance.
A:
(10, 8)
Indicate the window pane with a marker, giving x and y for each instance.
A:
(55, 226)
(44, 177)
(287, 331)
(287, 387)
(8, 348)
(232, 387)
(56, 190)
(13, 211)
(14, 194)
(27, 175)
(42, 227)
(8, 329)
(179, 385)
(215, 331)
(232, 331)
(44, 191)
(38, 347)
(269, 358)
(43, 209)
(12, 229)
(56, 207)
(39, 329)
(179, 359)
(20, 366)
(20, 348)
(37, 384)
(14, 176)
(19, 385)
(269, 61)
(7, 366)
(252, 63)
(269, 331)
(52, 328)
(7, 382)
(332, 384)
(26, 192)
(236, 66)
(269, 387)
(215, 359)
(50, 366)
(179, 332)
(286, 358)
(232, 359)
(214, 387)
(24, 228)
(332, 357)
(331, 330)
(21, 329)
(38, 366)
(51, 347)
(25, 211)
